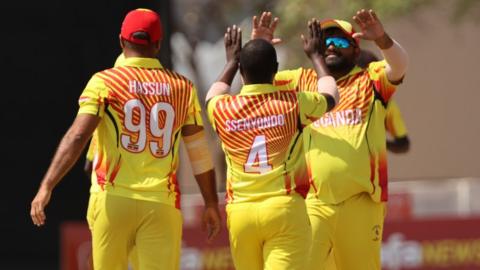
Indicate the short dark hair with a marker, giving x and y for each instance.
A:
(142, 35)
(258, 61)
(139, 47)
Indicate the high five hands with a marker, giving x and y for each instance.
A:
(371, 28)
(313, 44)
(265, 27)
(233, 44)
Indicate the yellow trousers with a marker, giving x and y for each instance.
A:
(119, 224)
(346, 236)
(273, 234)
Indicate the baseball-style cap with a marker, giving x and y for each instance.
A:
(345, 26)
(142, 20)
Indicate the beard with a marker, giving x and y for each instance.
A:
(339, 64)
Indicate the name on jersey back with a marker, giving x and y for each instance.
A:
(149, 88)
(256, 122)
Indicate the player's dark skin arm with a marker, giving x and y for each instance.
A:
(208, 188)
(314, 48)
(67, 154)
(399, 145)
(233, 47)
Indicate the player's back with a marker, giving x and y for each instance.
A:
(144, 109)
(261, 138)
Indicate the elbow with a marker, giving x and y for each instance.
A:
(327, 86)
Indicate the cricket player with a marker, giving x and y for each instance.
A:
(346, 148)
(139, 111)
(260, 130)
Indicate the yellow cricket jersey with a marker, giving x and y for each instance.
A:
(260, 130)
(92, 157)
(394, 122)
(142, 108)
(346, 148)
(92, 148)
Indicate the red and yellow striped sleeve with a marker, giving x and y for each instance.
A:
(376, 71)
(193, 115)
(288, 79)
(211, 107)
(312, 106)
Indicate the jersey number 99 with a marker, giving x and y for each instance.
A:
(158, 128)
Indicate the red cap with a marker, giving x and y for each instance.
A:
(142, 20)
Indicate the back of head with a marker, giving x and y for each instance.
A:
(258, 62)
(141, 30)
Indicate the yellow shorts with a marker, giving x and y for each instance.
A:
(118, 224)
(350, 232)
(273, 234)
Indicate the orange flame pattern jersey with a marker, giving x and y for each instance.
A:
(346, 148)
(260, 130)
(142, 108)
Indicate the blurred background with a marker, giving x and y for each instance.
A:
(51, 48)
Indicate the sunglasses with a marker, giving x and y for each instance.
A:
(338, 42)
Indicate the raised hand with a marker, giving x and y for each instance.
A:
(313, 43)
(265, 27)
(233, 44)
(370, 26)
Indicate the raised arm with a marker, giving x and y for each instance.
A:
(233, 47)
(264, 27)
(372, 29)
(314, 48)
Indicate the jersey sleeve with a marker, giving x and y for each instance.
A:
(394, 122)
(312, 106)
(212, 103)
(288, 79)
(92, 99)
(194, 116)
(377, 73)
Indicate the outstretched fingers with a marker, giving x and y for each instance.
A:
(228, 37)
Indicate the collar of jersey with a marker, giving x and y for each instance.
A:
(141, 62)
(255, 89)
(354, 70)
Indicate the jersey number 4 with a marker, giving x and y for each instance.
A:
(160, 126)
(257, 161)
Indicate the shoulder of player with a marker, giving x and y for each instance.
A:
(177, 77)
(376, 66)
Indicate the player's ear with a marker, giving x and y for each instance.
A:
(356, 51)
(274, 71)
(158, 44)
(122, 42)
(242, 75)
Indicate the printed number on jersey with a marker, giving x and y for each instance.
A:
(257, 161)
(149, 128)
